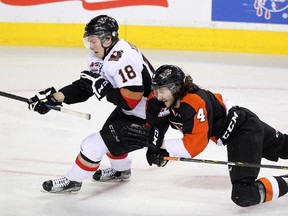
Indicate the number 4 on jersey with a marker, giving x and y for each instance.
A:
(201, 115)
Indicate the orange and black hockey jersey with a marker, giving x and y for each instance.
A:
(200, 117)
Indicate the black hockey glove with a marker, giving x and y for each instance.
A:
(94, 83)
(156, 157)
(41, 99)
(144, 136)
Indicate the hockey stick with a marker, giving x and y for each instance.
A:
(230, 163)
(56, 108)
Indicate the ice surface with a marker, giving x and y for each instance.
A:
(35, 148)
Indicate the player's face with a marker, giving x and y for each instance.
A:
(94, 43)
(164, 94)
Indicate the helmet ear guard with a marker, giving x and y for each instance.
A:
(114, 34)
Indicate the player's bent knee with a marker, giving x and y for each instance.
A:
(93, 147)
(245, 194)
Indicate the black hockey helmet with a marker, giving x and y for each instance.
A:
(170, 76)
(102, 26)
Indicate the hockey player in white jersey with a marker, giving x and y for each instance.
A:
(118, 71)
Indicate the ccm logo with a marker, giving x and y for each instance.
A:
(113, 132)
(231, 126)
(155, 138)
(103, 85)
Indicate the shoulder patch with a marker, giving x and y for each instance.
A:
(116, 55)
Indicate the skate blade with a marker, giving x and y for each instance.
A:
(111, 180)
(59, 192)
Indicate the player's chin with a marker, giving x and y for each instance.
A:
(99, 54)
(168, 104)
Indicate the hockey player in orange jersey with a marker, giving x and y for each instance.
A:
(202, 116)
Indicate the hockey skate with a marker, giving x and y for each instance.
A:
(110, 174)
(61, 185)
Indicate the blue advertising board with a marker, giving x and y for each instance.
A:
(254, 11)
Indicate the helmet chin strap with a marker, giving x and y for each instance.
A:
(176, 99)
(107, 49)
(175, 103)
(176, 94)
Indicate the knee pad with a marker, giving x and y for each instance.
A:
(93, 147)
(245, 194)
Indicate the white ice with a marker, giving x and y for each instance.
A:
(36, 148)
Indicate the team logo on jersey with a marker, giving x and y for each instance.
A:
(116, 55)
(164, 112)
(96, 67)
(270, 6)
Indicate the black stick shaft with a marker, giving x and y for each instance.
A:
(12, 96)
(56, 108)
(239, 164)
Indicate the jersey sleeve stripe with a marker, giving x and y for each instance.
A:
(131, 98)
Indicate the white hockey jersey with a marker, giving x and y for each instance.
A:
(122, 67)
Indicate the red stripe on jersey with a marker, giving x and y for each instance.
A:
(131, 98)
(84, 167)
(131, 102)
(117, 157)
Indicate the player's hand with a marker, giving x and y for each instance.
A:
(94, 83)
(41, 99)
(156, 157)
(144, 136)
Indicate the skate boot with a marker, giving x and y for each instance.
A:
(62, 185)
(110, 174)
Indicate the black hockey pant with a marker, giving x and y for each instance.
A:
(250, 141)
